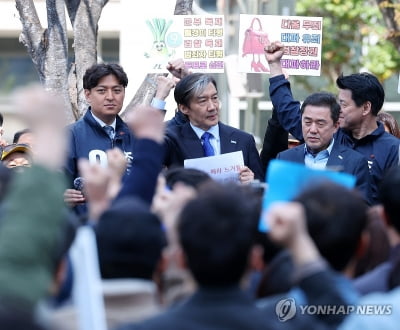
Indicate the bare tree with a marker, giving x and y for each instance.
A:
(48, 48)
(147, 89)
(390, 10)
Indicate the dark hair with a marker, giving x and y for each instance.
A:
(192, 85)
(67, 235)
(364, 87)
(189, 176)
(336, 217)
(14, 314)
(378, 249)
(18, 134)
(98, 71)
(324, 99)
(390, 121)
(216, 231)
(130, 239)
(1, 119)
(389, 196)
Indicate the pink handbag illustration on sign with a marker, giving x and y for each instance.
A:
(254, 42)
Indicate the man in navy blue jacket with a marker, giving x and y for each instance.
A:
(320, 121)
(197, 98)
(361, 97)
(104, 86)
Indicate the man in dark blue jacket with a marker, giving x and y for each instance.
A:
(320, 121)
(361, 97)
(197, 98)
(104, 86)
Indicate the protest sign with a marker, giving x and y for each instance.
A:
(302, 37)
(197, 39)
(87, 289)
(222, 168)
(287, 179)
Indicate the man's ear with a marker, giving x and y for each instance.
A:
(184, 109)
(385, 218)
(336, 126)
(162, 263)
(181, 258)
(256, 261)
(363, 244)
(366, 107)
(173, 257)
(58, 277)
(87, 95)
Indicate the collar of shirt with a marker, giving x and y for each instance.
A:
(102, 123)
(215, 140)
(319, 160)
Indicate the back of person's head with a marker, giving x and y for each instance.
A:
(278, 264)
(15, 317)
(217, 230)
(364, 87)
(130, 240)
(19, 133)
(323, 99)
(69, 227)
(336, 217)
(389, 122)
(389, 195)
(191, 86)
(62, 281)
(378, 249)
(189, 176)
(96, 72)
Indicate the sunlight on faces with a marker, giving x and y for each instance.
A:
(106, 99)
(17, 159)
(203, 111)
(318, 127)
(350, 114)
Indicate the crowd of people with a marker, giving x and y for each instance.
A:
(177, 249)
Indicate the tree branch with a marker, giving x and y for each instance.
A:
(33, 34)
(147, 89)
(390, 10)
(85, 18)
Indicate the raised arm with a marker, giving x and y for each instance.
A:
(33, 210)
(148, 154)
(288, 109)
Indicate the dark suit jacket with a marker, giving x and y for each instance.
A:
(227, 308)
(182, 143)
(145, 166)
(342, 158)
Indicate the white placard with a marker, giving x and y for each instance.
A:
(197, 39)
(87, 289)
(302, 37)
(222, 168)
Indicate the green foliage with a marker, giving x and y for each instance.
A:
(354, 38)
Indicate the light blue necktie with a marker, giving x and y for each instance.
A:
(207, 147)
(110, 131)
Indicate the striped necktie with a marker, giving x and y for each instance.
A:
(110, 131)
